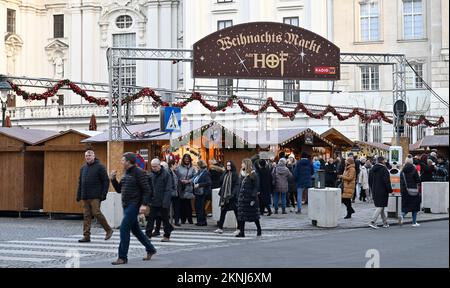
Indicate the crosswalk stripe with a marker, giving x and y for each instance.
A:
(117, 242)
(208, 234)
(107, 244)
(6, 258)
(37, 253)
(173, 239)
(86, 249)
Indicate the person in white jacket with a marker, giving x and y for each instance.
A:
(363, 180)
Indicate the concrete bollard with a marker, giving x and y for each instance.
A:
(435, 197)
(324, 206)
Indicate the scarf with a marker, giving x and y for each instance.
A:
(227, 189)
(243, 173)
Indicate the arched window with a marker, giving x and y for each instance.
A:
(124, 21)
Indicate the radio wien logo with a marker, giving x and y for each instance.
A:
(325, 70)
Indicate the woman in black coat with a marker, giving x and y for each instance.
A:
(248, 210)
(202, 187)
(228, 193)
(265, 186)
(409, 178)
(426, 169)
(330, 173)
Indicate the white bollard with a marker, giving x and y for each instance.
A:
(230, 219)
(393, 199)
(435, 196)
(324, 206)
(112, 209)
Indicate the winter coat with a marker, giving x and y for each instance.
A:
(380, 184)
(204, 183)
(426, 173)
(291, 184)
(363, 178)
(303, 172)
(162, 186)
(248, 196)
(330, 175)
(410, 203)
(134, 187)
(235, 184)
(316, 166)
(186, 191)
(265, 182)
(216, 173)
(93, 182)
(174, 182)
(349, 181)
(280, 176)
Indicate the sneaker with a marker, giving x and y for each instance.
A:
(236, 232)
(386, 225)
(218, 231)
(165, 239)
(415, 225)
(373, 225)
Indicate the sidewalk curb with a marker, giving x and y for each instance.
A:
(308, 228)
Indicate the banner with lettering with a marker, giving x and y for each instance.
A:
(266, 50)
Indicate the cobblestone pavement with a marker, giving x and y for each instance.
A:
(40, 242)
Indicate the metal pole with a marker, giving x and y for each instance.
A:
(3, 113)
(110, 97)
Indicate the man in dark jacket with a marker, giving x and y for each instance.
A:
(93, 186)
(380, 185)
(162, 186)
(303, 172)
(135, 190)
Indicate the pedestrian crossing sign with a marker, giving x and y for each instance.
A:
(170, 118)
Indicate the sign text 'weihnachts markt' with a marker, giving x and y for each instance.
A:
(266, 50)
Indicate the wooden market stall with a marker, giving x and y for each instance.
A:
(21, 168)
(342, 143)
(63, 157)
(371, 149)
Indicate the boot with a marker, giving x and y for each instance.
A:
(349, 215)
(240, 235)
(276, 211)
(258, 233)
(84, 240)
(120, 262)
(109, 234)
(149, 256)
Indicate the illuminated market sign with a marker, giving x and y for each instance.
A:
(266, 50)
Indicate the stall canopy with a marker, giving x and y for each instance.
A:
(337, 138)
(434, 141)
(142, 130)
(28, 136)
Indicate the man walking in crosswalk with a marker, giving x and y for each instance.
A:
(93, 187)
(136, 192)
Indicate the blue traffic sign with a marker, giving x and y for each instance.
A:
(170, 118)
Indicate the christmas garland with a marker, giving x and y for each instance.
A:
(147, 92)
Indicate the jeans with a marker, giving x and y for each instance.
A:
(283, 200)
(130, 223)
(378, 211)
(156, 212)
(414, 216)
(200, 209)
(299, 198)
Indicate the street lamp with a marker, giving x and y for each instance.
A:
(4, 89)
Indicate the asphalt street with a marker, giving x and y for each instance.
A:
(396, 247)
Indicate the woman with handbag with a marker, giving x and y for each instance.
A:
(185, 173)
(409, 188)
(248, 207)
(202, 187)
(348, 184)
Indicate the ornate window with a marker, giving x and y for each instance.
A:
(124, 21)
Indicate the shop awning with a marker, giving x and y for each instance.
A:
(337, 138)
(434, 141)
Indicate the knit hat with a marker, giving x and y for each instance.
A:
(131, 157)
